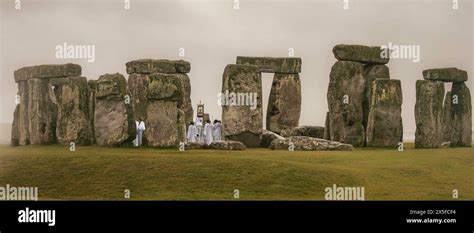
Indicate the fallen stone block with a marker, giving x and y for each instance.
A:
(308, 131)
(268, 137)
(308, 144)
(226, 145)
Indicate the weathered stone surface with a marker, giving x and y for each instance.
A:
(345, 101)
(148, 66)
(308, 144)
(162, 129)
(194, 145)
(445, 75)
(181, 125)
(92, 84)
(327, 128)
(167, 99)
(268, 137)
(173, 87)
(138, 87)
(372, 72)
(284, 103)
(185, 103)
(165, 87)
(15, 127)
(461, 114)
(226, 145)
(111, 86)
(447, 120)
(385, 127)
(242, 123)
(216, 145)
(285, 133)
(360, 53)
(273, 64)
(308, 131)
(73, 124)
(47, 71)
(42, 112)
(429, 113)
(112, 117)
(23, 116)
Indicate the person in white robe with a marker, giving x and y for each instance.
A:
(140, 129)
(192, 132)
(199, 130)
(208, 132)
(217, 130)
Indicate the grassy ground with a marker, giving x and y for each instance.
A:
(100, 173)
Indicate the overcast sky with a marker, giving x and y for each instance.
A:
(213, 33)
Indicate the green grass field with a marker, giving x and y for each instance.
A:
(103, 173)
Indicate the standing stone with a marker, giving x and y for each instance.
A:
(23, 118)
(447, 120)
(345, 101)
(73, 123)
(360, 53)
(242, 123)
(181, 124)
(385, 127)
(165, 121)
(112, 116)
(162, 127)
(284, 103)
(327, 128)
(185, 103)
(15, 127)
(42, 111)
(429, 113)
(288, 65)
(138, 86)
(371, 73)
(92, 84)
(138, 81)
(303, 143)
(461, 114)
(37, 108)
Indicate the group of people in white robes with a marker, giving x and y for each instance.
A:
(207, 134)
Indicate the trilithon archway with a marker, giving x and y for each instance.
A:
(242, 117)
